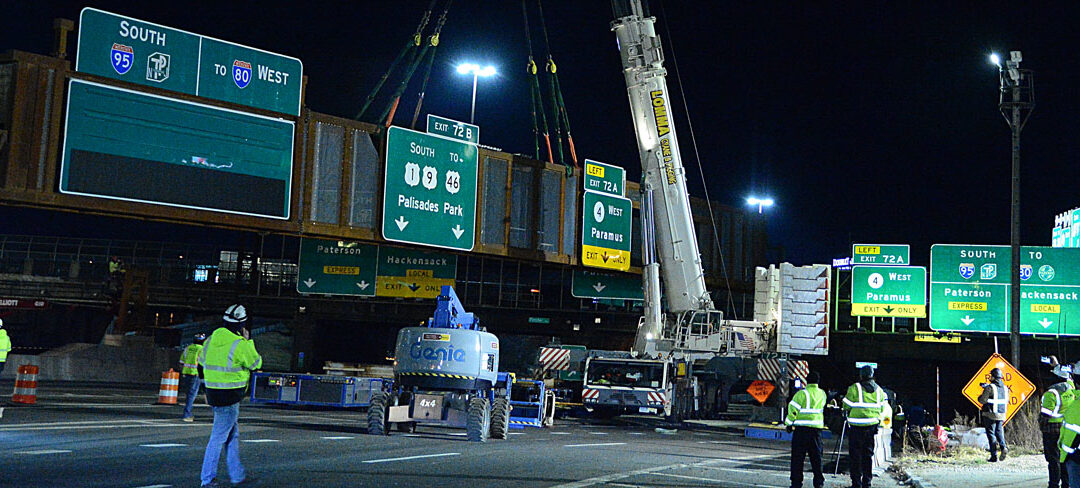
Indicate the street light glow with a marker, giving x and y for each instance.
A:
(761, 203)
(995, 59)
(475, 70)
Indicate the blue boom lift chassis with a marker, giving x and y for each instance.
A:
(446, 373)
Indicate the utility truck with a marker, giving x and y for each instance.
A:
(686, 330)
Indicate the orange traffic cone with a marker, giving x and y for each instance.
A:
(26, 385)
(170, 386)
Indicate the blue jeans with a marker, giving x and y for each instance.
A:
(226, 433)
(1073, 468)
(193, 383)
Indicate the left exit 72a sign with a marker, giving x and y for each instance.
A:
(337, 267)
(429, 195)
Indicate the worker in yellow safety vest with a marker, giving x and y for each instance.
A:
(5, 346)
(189, 374)
(863, 405)
(1068, 440)
(805, 419)
(995, 402)
(1055, 402)
(225, 363)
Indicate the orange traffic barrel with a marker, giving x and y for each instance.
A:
(26, 385)
(170, 385)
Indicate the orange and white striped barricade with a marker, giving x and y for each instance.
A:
(170, 386)
(26, 385)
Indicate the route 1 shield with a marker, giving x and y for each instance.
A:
(122, 58)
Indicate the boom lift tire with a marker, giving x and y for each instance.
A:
(376, 415)
(500, 418)
(479, 419)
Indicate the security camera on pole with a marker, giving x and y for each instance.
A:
(1016, 100)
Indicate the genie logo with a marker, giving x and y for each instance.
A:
(418, 351)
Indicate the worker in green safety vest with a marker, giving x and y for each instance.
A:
(225, 363)
(5, 346)
(1055, 402)
(189, 375)
(804, 420)
(863, 406)
(1068, 440)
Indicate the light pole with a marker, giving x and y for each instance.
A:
(476, 71)
(760, 202)
(1015, 101)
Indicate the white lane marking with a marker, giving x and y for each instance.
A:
(637, 433)
(80, 422)
(459, 434)
(597, 444)
(154, 486)
(162, 445)
(516, 433)
(598, 433)
(695, 478)
(78, 427)
(757, 472)
(408, 458)
(44, 451)
(338, 437)
(259, 441)
(619, 476)
(411, 435)
(559, 433)
(701, 433)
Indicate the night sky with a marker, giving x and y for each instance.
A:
(873, 123)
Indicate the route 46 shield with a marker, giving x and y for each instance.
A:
(122, 58)
(241, 73)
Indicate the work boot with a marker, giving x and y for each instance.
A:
(1003, 451)
(993, 458)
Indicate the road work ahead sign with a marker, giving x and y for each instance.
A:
(1020, 389)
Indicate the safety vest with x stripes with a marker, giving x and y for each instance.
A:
(864, 407)
(805, 408)
(227, 360)
(1056, 400)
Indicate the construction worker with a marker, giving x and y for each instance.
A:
(805, 419)
(995, 402)
(5, 346)
(225, 363)
(1068, 440)
(189, 374)
(863, 406)
(1054, 403)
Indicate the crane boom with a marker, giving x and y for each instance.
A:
(666, 202)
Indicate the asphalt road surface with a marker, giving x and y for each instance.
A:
(116, 437)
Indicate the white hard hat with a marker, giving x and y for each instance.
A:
(1, 322)
(235, 314)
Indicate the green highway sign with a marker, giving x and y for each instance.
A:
(605, 178)
(888, 291)
(410, 273)
(127, 145)
(336, 267)
(1050, 290)
(969, 288)
(606, 227)
(132, 50)
(613, 286)
(453, 129)
(539, 320)
(429, 195)
(881, 254)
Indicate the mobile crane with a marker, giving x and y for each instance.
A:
(656, 376)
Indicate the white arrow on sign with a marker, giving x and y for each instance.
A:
(599, 287)
(401, 222)
(1045, 323)
(309, 282)
(967, 320)
(458, 231)
(363, 284)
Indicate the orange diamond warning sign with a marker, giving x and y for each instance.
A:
(1020, 389)
(760, 390)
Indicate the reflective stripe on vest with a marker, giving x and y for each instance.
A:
(227, 373)
(998, 399)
